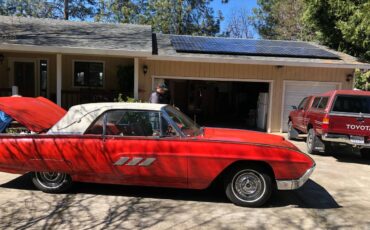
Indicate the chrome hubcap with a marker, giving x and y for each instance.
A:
(50, 179)
(248, 185)
(309, 140)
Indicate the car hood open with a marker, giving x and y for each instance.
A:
(36, 114)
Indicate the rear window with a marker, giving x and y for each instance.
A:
(352, 104)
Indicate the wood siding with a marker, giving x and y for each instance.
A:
(183, 69)
(110, 71)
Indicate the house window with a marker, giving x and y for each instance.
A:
(88, 74)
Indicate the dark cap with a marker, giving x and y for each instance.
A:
(162, 86)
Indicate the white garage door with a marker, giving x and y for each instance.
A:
(295, 91)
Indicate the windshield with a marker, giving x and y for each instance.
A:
(183, 122)
(352, 104)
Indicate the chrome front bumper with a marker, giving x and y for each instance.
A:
(343, 139)
(294, 184)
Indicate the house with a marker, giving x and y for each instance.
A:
(217, 81)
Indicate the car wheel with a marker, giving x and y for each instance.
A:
(52, 182)
(248, 187)
(291, 131)
(311, 142)
(365, 153)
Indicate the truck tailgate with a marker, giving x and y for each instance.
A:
(355, 125)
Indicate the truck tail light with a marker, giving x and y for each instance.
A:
(325, 123)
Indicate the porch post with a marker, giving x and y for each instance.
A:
(136, 78)
(59, 79)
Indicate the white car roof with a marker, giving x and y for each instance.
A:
(119, 105)
(80, 117)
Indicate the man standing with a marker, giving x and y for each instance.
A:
(161, 95)
(5, 121)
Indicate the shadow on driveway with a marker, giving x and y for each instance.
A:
(344, 154)
(311, 195)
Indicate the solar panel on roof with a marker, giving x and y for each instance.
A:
(208, 45)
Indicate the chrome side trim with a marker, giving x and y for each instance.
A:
(294, 184)
(355, 115)
(121, 161)
(342, 139)
(134, 161)
(147, 161)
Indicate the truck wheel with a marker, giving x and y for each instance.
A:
(292, 132)
(365, 153)
(248, 187)
(311, 142)
(52, 182)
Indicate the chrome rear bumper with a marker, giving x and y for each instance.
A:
(343, 139)
(294, 184)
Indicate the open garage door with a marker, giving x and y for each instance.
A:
(295, 91)
(221, 103)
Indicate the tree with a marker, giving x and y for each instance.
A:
(122, 11)
(165, 16)
(62, 9)
(281, 19)
(240, 25)
(341, 25)
(362, 80)
(34, 8)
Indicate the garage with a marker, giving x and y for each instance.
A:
(217, 81)
(221, 103)
(295, 91)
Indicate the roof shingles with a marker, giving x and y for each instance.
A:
(51, 32)
(51, 35)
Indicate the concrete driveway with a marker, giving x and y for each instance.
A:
(337, 196)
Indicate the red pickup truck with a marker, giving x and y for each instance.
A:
(339, 117)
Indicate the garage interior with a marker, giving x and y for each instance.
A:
(227, 104)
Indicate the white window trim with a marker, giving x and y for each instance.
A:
(271, 89)
(73, 73)
(47, 76)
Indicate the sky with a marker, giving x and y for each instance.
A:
(231, 6)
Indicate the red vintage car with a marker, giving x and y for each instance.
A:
(144, 144)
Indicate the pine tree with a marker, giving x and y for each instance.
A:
(61, 9)
(165, 16)
(281, 19)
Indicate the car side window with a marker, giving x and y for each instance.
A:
(97, 127)
(323, 102)
(132, 123)
(167, 129)
(316, 102)
(303, 103)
